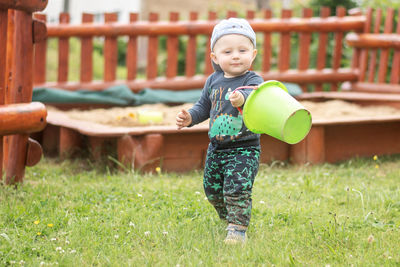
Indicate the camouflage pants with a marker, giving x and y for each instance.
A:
(228, 182)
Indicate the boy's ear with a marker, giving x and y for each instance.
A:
(254, 53)
(213, 57)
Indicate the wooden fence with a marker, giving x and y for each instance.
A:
(18, 34)
(377, 52)
(317, 58)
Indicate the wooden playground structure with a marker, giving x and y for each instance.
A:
(368, 79)
(18, 116)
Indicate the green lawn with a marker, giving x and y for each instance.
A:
(76, 214)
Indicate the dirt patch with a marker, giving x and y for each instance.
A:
(161, 114)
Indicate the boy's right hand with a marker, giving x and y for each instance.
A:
(183, 119)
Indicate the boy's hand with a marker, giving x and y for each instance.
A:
(183, 119)
(237, 99)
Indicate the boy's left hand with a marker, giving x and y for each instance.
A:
(237, 99)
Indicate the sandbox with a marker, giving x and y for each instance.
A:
(343, 127)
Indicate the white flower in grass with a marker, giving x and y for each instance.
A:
(12, 262)
(165, 233)
(22, 262)
(42, 263)
(147, 233)
(67, 242)
(53, 239)
(197, 193)
(72, 251)
(139, 195)
(262, 202)
(33, 249)
(116, 236)
(131, 224)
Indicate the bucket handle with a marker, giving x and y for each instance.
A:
(244, 87)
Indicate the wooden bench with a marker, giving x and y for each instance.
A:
(316, 70)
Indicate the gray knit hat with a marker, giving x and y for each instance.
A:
(233, 26)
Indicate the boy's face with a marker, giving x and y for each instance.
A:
(234, 53)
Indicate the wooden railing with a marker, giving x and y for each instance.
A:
(377, 53)
(278, 59)
(18, 117)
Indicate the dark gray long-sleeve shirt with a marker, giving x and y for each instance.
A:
(227, 129)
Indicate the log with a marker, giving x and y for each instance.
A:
(197, 82)
(29, 6)
(315, 24)
(22, 118)
(34, 153)
(374, 40)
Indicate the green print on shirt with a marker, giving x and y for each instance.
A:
(226, 124)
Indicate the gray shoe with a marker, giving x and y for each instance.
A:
(235, 236)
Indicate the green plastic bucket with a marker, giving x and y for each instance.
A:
(271, 110)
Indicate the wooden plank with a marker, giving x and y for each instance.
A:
(284, 47)
(86, 71)
(267, 46)
(39, 74)
(337, 50)
(208, 69)
(110, 51)
(322, 45)
(63, 52)
(373, 52)
(172, 49)
(152, 51)
(190, 68)
(395, 74)
(131, 51)
(384, 57)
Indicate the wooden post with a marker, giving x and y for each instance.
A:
(374, 52)
(39, 75)
(63, 52)
(322, 44)
(311, 149)
(337, 49)
(110, 51)
(304, 47)
(86, 53)
(383, 60)
(395, 75)
(191, 51)
(208, 69)
(20, 91)
(172, 49)
(284, 51)
(131, 51)
(3, 61)
(364, 52)
(267, 46)
(152, 51)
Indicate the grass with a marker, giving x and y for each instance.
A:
(76, 214)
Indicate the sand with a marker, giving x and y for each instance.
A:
(129, 116)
